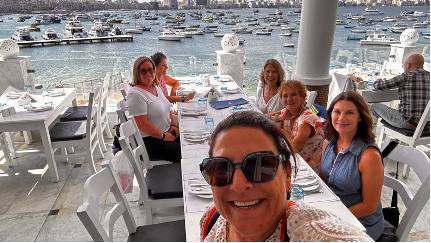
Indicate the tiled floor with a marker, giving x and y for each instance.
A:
(28, 197)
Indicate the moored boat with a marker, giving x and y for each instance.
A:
(50, 34)
(22, 34)
(376, 38)
(170, 36)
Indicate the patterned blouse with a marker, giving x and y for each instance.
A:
(304, 223)
(312, 149)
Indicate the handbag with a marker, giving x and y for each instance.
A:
(392, 213)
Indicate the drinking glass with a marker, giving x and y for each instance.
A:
(209, 124)
(237, 108)
(297, 194)
(202, 104)
(224, 91)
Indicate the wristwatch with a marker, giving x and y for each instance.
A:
(163, 136)
(276, 118)
(183, 98)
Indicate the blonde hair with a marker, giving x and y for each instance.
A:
(136, 78)
(293, 84)
(277, 66)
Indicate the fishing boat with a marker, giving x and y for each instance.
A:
(285, 34)
(288, 45)
(376, 38)
(50, 34)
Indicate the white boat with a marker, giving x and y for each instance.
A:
(82, 17)
(74, 29)
(241, 41)
(115, 31)
(1, 20)
(274, 24)
(21, 34)
(286, 27)
(219, 34)
(419, 14)
(375, 38)
(170, 36)
(371, 11)
(420, 25)
(341, 22)
(50, 34)
(288, 45)
(399, 26)
(354, 30)
(134, 30)
(278, 12)
(389, 19)
(97, 31)
(285, 34)
(262, 33)
(239, 29)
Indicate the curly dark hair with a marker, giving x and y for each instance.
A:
(365, 125)
(256, 120)
(158, 57)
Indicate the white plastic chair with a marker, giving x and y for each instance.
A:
(124, 89)
(160, 182)
(79, 134)
(340, 83)
(103, 124)
(95, 186)
(427, 66)
(420, 163)
(390, 68)
(122, 112)
(4, 146)
(411, 139)
(311, 97)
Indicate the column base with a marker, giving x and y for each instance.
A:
(322, 94)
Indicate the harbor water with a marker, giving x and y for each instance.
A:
(81, 62)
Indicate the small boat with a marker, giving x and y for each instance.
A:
(241, 41)
(426, 37)
(354, 30)
(420, 25)
(20, 19)
(354, 37)
(371, 11)
(295, 31)
(389, 19)
(399, 26)
(348, 26)
(288, 45)
(341, 22)
(219, 34)
(375, 38)
(134, 30)
(278, 12)
(50, 34)
(262, 33)
(170, 36)
(286, 27)
(424, 33)
(419, 14)
(115, 31)
(1, 20)
(285, 34)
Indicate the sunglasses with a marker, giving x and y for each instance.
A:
(258, 167)
(144, 71)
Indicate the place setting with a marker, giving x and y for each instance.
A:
(192, 112)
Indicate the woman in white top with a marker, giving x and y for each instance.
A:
(151, 110)
(271, 76)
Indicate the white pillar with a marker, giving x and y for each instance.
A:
(399, 52)
(231, 64)
(316, 36)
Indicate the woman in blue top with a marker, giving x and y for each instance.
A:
(351, 162)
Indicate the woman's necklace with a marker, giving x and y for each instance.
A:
(344, 146)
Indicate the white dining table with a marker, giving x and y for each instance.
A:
(370, 95)
(194, 152)
(25, 120)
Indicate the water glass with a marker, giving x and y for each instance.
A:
(237, 108)
(297, 194)
(202, 104)
(209, 124)
(224, 91)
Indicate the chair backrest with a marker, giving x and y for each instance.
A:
(96, 185)
(390, 69)
(126, 77)
(422, 123)
(420, 163)
(124, 88)
(105, 87)
(340, 83)
(427, 66)
(93, 115)
(311, 97)
(122, 111)
(131, 139)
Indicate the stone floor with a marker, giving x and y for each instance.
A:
(32, 208)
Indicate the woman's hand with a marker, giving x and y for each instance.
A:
(169, 137)
(286, 115)
(188, 97)
(175, 130)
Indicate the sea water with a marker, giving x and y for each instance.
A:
(82, 62)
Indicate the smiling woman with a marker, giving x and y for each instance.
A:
(250, 181)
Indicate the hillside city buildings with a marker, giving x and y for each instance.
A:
(28, 6)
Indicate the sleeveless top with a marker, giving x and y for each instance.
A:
(341, 174)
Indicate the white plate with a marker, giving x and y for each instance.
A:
(196, 139)
(207, 196)
(224, 79)
(311, 188)
(306, 181)
(39, 109)
(13, 96)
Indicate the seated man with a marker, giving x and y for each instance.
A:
(414, 92)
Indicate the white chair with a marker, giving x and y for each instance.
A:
(122, 112)
(420, 163)
(103, 124)
(4, 146)
(79, 134)
(390, 68)
(409, 137)
(124, 89)
(126, 77)
(311, 97)
(95, 186)
(340, 83)
(427, 66)
(160, 182)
